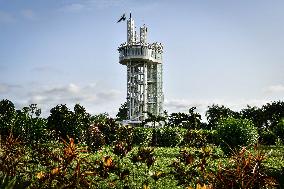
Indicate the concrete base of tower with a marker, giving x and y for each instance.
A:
(131, 122)
(139, 123)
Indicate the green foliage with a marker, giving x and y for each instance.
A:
(11, 156)
(142, 136)
(108, 128)
(122, 112)
(279, 130)
(65, 123)
(81, 121)
(191, 167)
(156, 120)
(167, 137)
(273, 113)
(246, 170)
(7, 117)
(60, 121)
(29, 156)
(192, 120)
(94, 138)
(124, 133)
(255, 114)
(29, 126)
(16, 182)
(199, 138)
(102, 131)
(216, 112)
(234, 133)
(267, 137)
(265, 117)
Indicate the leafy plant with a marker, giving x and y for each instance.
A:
(279, 130)
(191, 168)
(142, 136)
(267, 137)
(234, 133)
(67, 170)
(246, 170)
(167, 137)
(12, 161)
(199, 138)
(94, 138)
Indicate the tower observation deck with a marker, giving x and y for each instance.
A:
(144, 73)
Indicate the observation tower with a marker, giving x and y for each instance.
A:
(144, 73)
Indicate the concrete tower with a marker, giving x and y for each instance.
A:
(144, 73)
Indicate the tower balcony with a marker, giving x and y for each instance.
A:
(139, 53)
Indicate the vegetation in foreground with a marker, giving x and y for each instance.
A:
(72, 149)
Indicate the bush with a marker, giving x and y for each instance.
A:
(234, 133)
(142, 136)
(124, 133)
(267, 137)
(95, 138)
(199, 138)
(279, 130)
(167, 137)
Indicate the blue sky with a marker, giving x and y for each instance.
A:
(215, 51)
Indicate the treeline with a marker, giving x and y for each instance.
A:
(63, 123)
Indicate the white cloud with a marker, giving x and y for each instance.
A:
(3, 88)
(28, 14)
(93, 98)
(6, 88)
(6, 17)
(275, 89)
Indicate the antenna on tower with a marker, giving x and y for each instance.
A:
(130, 14)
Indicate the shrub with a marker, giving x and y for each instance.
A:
(142, 136)
(124, 133)
(109, 128)
(267, 137)
(167, 137)
(199, 138)
(233, 133)
(95, 138)
(245, 170)
(279, 130)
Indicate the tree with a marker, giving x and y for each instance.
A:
(216, 112)
(65, 123)
(60, 122)
(81, 121)
(29, 126)
(106, 125)
(192, 120)
(279, 130)
(273, 113)
(122, 112)
(234, 133)
(255, 114)
(152, 118)
(7, 117)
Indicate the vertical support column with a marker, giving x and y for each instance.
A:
(129, 90)
(160, 96)
(145, 86)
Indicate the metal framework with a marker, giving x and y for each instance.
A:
(144, 73)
